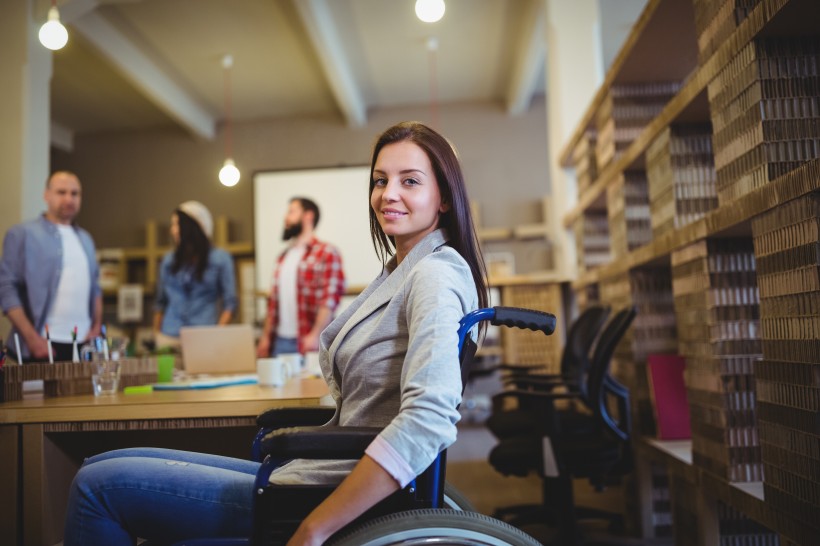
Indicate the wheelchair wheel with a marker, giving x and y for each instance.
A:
(455, 499)
(441, 527)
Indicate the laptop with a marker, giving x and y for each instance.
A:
(221, 350)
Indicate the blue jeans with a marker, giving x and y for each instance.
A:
(285, 345)
(161, 495)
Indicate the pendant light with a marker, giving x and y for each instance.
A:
(53, 34)
(430, 11)
(228, 174)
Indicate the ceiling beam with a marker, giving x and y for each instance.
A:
(324, 36)
(135, 63)
(529, 59)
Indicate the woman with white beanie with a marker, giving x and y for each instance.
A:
(193, 277)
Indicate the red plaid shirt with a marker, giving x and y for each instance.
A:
(320, 282)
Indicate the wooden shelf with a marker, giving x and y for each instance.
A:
(520, 232)
(530, 231)
(727, 218)
(687, 104)
(747, 497)
(621, 281)
(494, 234)
(661, 47)
(543, 277)
(152, 253)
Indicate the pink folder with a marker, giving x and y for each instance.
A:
(669, 396)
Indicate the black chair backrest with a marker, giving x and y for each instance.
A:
(599, 379)
(575, 360)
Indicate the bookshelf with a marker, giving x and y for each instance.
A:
(710, 118)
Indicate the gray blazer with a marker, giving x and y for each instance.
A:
(391, 359)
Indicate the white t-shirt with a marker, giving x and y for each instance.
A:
(288, 308)
(70, 306)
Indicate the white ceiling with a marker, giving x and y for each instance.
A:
(134, 64)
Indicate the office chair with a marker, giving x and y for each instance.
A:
(558, 454)
(575, 364)
(414, 514)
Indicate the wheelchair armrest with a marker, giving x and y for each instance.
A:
(330, 442)
(294, 417)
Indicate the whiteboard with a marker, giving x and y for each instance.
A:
(341, 194)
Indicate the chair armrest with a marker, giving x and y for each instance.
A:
(541, 380)
(331, 442)
(515, 369)
(536, 395)
(294, 417)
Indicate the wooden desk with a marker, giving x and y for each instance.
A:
(43, 441)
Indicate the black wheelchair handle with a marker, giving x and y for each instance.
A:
(537, 321)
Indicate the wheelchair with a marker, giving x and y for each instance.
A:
(426, 511)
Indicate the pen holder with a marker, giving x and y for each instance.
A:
(71, 378)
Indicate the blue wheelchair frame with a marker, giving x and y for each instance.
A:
(278, 510)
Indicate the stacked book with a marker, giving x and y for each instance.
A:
(592, 239)
(680, 172)
(624, 113)
(765, 110)
(716, 20)
(587, 295)
(736, 529)
(661, 516)
(627, 202)
(649, 290)
(584, 161)
(686, 510)
(717, 310)
(787, 245)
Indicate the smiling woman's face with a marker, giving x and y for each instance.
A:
(405, 196)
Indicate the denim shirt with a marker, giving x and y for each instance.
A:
(186, 301)
(30, 270)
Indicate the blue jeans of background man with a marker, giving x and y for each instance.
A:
(285, 345)
(161, 495)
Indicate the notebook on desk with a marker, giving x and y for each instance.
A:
(223, 350)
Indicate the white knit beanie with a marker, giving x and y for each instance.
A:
(200, 214)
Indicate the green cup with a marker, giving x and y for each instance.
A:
(165, 368)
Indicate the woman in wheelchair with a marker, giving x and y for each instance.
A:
(390, 360)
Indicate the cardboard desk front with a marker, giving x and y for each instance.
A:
(43, 441)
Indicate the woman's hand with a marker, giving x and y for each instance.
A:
(306, 537)
(366, 485)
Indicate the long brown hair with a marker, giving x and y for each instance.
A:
(193, 249)
(457, 221)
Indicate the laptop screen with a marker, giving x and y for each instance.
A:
(228, 349)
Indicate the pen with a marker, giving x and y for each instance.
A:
(75, 356)
(105, 341)
(48, 342)
(17, 346)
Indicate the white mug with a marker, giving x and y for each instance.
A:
(312, 367)
(272, 372)
(293, 361)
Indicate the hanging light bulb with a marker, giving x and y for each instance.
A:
(228, 174)
(53, 34)
(429, 11)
